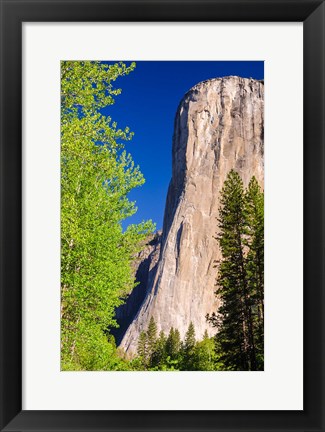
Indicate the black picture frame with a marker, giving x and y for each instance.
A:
(13, 14)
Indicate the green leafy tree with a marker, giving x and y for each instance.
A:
(204, 356)
(96, 177)
(170, 365)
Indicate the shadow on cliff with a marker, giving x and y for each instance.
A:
(126, 313)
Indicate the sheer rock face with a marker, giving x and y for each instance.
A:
(144, 270)
(218, 127)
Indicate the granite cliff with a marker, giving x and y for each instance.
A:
(219, 126)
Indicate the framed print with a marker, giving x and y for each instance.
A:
(167, 317)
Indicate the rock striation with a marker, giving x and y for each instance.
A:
(219, 126)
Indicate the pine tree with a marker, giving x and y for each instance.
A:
(173, 344)
(177, 341)
(189, 341)
(255, 263)
(234, 318)
(159, 355)
(142, 349)
(189, 348)
(151, 338)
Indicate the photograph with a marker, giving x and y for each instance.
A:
(162, 269)
(162, 215)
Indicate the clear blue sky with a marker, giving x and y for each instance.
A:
(148, 103)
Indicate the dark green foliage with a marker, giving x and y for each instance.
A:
(159, 355)
(234, 332)
(151, 336)
(148, 344)
(143, 348)
(188, 348)
(255, 263)
(239, 342)
(171, 354)
(189, 342)
(173, 344)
